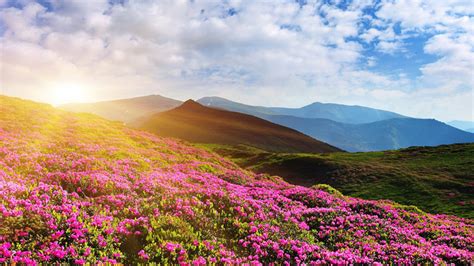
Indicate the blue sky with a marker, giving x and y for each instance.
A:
(412, 57)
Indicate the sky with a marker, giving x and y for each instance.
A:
(412, 57)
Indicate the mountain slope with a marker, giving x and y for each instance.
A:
(125, 110)
(382, 135)
(436, 179)
(83, 190)
(336, 112)
(196, 123)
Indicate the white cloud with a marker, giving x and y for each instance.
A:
(389, 47)
(262, 52)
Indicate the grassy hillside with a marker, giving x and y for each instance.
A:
(436, 179)
(196, 123)
(77, 189)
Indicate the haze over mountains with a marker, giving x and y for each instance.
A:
(351, 128)
(125, 110)
(196, 123)
(336, 112)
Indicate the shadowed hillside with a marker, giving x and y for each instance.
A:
(125, 110)
(196, 123)
(436, 179)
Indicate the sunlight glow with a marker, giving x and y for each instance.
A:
(68, 93)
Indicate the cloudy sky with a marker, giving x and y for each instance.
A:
(414, 57)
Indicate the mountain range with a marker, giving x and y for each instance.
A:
(365, 129)
(196, 123)
(388, 134)
(337, 112)
(351, 128)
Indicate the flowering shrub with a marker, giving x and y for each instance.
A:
(78, 189)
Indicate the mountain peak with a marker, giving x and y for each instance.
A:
(191, 103)
(197, 123)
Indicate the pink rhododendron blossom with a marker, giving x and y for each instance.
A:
(80, 189)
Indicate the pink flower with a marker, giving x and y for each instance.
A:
(199, 261)
(87, 252)
(143, 255)
(80, 261)
(57, 235)
(171, 247)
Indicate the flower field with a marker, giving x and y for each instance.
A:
(79, 189)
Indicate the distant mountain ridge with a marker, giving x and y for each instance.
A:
(385, 131)
(196, 123)
(387, 134)
(337, 112)
(125, 110)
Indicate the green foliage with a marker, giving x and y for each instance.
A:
(207, 168)
(410, 208)
(327, 188)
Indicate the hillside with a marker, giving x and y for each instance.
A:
(436, 179)
(196, 123)
(77, 189)
(382, 135)
(351, 114)
(125, 110)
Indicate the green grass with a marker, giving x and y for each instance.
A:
(435, 179)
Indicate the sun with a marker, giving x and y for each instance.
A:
(68, 93)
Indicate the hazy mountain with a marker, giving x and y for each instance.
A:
(385, 133)
(463, 125)
(336, 112)
(382, 135)
(125, 110)
(391, 133)
(217, 102)
(196, 123)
